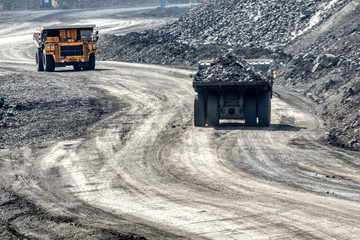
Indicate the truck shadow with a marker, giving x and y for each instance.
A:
(95, 70)
(273, 127)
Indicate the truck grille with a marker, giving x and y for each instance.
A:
(72, 50)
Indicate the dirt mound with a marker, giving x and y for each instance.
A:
(229, 68)
(325, 67)
(61, 108)
(222, 25)
(255, 24)
(158, 49)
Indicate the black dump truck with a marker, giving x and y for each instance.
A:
(233, 89)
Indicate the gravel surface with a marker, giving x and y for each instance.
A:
(63, 106)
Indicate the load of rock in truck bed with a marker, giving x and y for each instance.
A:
(229, 68)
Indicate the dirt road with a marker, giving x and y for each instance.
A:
(145, 169)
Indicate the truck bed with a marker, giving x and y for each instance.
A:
(220, 84)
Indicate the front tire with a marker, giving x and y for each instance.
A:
(49, 63)
(76, 67)
(92, 61)
(199, 110)
(212, 110)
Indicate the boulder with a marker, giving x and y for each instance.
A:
(327, 60)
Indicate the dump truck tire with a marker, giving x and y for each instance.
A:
(264, 109)
(212, 108)
(250, 110)
(76, 67)
(199, 110)
(49, 63)
(92, 60)
(39, 61)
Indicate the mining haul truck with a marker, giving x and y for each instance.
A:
(237, 98)
(60, 46)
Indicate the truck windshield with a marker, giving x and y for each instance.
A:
(85, 35)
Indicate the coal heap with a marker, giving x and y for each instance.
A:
(229, 68)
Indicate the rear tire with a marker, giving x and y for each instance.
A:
(199, 110)
(212, 110)
(39, 61)
(264, 109)
(250, 110)
(49, 63)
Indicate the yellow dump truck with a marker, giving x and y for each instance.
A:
(63, 45)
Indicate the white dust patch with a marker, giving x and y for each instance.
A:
(317, 18)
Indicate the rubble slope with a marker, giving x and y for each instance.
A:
(325, 66)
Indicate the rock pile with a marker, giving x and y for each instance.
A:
(229, 68)
(48, 108)
(326, 68)
(227, 24)
(150, 47)
(259, 23)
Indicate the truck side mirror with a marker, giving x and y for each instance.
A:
(95, 36)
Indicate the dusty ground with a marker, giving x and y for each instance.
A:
(135, 167)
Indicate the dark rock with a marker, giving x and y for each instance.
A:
(2, 102)
(229, 68)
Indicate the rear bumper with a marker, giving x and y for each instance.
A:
(225, 86)
(80, 64)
